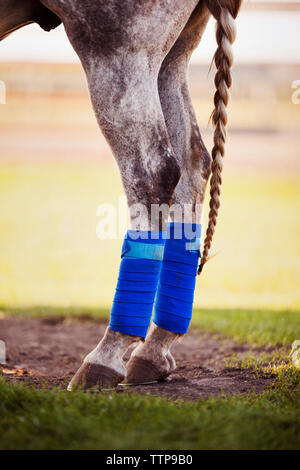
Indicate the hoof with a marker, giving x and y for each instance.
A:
(91, 375)
(142, 371)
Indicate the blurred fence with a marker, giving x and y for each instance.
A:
(249, 80)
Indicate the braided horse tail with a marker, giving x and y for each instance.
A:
(225, 12)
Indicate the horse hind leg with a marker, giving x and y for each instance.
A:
(194, 162)
(122, 78)
(149, 172)
(189, 149)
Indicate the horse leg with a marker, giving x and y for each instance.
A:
(121, 46)
(149, 172)
(153, 360)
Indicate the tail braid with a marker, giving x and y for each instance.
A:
(225, 36)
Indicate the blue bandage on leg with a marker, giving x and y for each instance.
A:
(142, 254)
(175, 295)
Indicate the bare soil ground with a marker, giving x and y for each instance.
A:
(47, 352)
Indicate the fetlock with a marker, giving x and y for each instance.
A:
(104, 366)
(111, 350)
(152, 360)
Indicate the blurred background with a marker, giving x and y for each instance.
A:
(56, 168)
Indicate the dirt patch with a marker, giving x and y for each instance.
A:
(49, 351)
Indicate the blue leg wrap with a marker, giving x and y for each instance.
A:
(175, 296)
(142, 254)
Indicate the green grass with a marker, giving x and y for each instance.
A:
(252, 326)
(261, 327)
(43, 419)
(32, 419)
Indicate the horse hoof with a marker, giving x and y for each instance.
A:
(142, 371)
(95, 376)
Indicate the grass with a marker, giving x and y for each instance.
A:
(262, 327)
(55, 419)
(32, 419)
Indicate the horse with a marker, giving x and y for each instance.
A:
(135, 54)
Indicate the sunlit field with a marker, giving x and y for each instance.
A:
(55, 171)
(50, 253)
